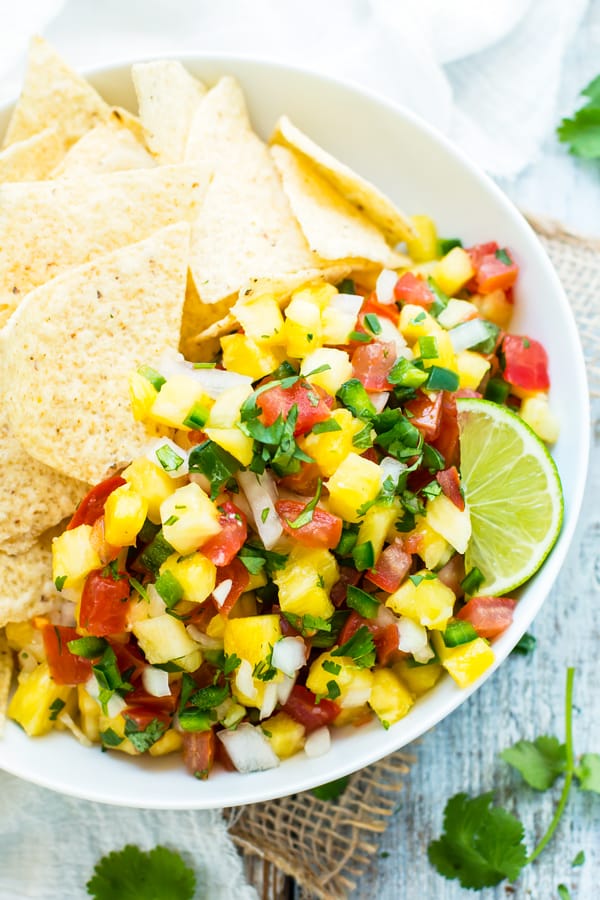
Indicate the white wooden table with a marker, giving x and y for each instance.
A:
(525, 697)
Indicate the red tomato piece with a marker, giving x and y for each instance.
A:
(199, 752)
(426, 414)
(222, 548)
(348, 576)
(373, 306)
(130, 661)
(386, 644)
(312, 401)
(480, 251)
(391, 568)
(303, 482)
(525, 363)
(446, 442)
(413, 289)
(449, 482)
(324, 529)
(492, 272)
(371, 364)
(238, 574)
(104, 607)
(165, 705)
(145, 715)
(303, 707)
(453, 573)
(65, 667)
(202, 616)
(467, 392)
(489, 616)
(412, 542)
(385, 637)
(92, 505)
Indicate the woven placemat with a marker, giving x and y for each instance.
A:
(327, 845)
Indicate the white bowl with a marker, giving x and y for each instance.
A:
(422, 172)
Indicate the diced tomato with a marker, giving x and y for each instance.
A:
(371, 454)
(324, 529)
(166, 705)
(303, 482)
(392, 567)
(374, 307)
(492, 272)
(351, 626)
(312, 401)
(446, 442)
(238, 574)
(414, 290)
(196, 437)
(385, 637)
(453, 573)
(480, 251)
(426, 414)
(449, 482)
(467, 392)
(386, 644)
(348, 576)
(412, 542)
(303, 707)
(525, 363)
(222, 547)
(104, 607)
(199, 752)
(489, 616)
(130, 661)
(92, 505)
(65, 667)
(203, 614)
(145, 715)
(371, 364)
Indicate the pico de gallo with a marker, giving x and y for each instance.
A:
(288, 554)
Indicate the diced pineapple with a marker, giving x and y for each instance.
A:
(434, 550)
(302, 329)
(305, 580)
(216, 626)
(415, 322)
(429, 602)
(226, 409)
(150, 482)
(191, 661)
(142, 395)
(195, 573)
(457, 312)
(355, 482)
(353, 715)
(319, 294)
(285, 735)
(73, 556)
(495, 306)
(89, 714)
(536, 412)
(452, 523)
(252, 638)
(31, 703)
(472, 367)
(234, 441)
(179, 397)
(424, 245)
(189, 518)
(418, 679)
(339, 371)
(466, 662)
(116, 725)
(19, 634)
(355, 684)
(331, 448)
(125, 512)
(453, 271)
(445, 355)
(244, 606)
(170, 742)
(376, 524)
(337, 324)
(390, 698)
(163, 639)
(261, 319)
(257, 580)
(242, 354)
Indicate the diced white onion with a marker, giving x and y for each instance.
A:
(391, 468)
(115, 705)
(152, 449)
(222, 591)
(348, 304)
(468, 334)
(384, 286)
(75, 730)
(379, 399)
(412, 638)
(423, 656)
(244, 680)
(390, 333)
(261, 494)
(269, 700)
(284, 689)
(318, 743)
(156, 604)
(248, 749)
(289, 655)
(213, 381)
(156, 682)
(356, 697)
(206, 642)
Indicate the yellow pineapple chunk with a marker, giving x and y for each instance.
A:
(242, 354)
(354, 683)
(89, 714)
(180, 396)
(418, 679)
(302, 329)
(319, 294)
(73, 556)
(260, 318)
(355, 482)
(195, 573)
(305, 580)
(390, 699)
(423, 245)
(163, 639)
(467, 662)
(252, 638)
(233, 441)
(331, 448)
(434, 550)
(428, 601)
(116, 725)
(339, 371)
(19, 634)
(152, 483)
(453, 271)
(125, 512)
(376, 525)
(225, 412)
(536, 412)
(445, 355)
(189, 518)
(142, 395)
(32, 701)
(415, 322)
(472, 367)
(452, 523)
(285, 735)
(170, 742)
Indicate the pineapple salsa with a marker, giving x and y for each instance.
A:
(289, 553)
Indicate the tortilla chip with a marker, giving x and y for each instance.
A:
(333, 227)
(106, 148)
(198, 317)
(72, 343)
(32, 159)
(220, 132)
(54, 95)
(168, 97)
(26, 587)
(6, 670)
(46, 227)
(364, 195)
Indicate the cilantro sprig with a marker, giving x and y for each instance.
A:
(134, 874)
(582, 130)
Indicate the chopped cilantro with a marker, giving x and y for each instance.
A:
(332, 790)
(110, 738)
(59, 582)
(333, 690)
(578, 860)
(525, 645)
(109, 678)
(88, 647)
(331, 667)
(55, 708)
(539, 762)
(327, 425)
(264, 515)
(134, 874)
(360, 337)
(215, 463)
(209, 697)
(306, 516)
(582, 130)
(588, 772)
(346, 286)
(360, 647)
(144, 738)
(137, 586)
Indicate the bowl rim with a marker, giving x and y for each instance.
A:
(95, 74)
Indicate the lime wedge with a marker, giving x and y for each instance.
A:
(513, 491)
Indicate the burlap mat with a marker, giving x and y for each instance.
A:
(327, 845)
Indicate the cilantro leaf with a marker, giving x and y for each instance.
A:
(360, 647)
(582, 131)
(481, 844)
(143, 738)
(132, 874)
(579, 859)
(540, 762)
(588, 772)
(332, 790)
(563, 892)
